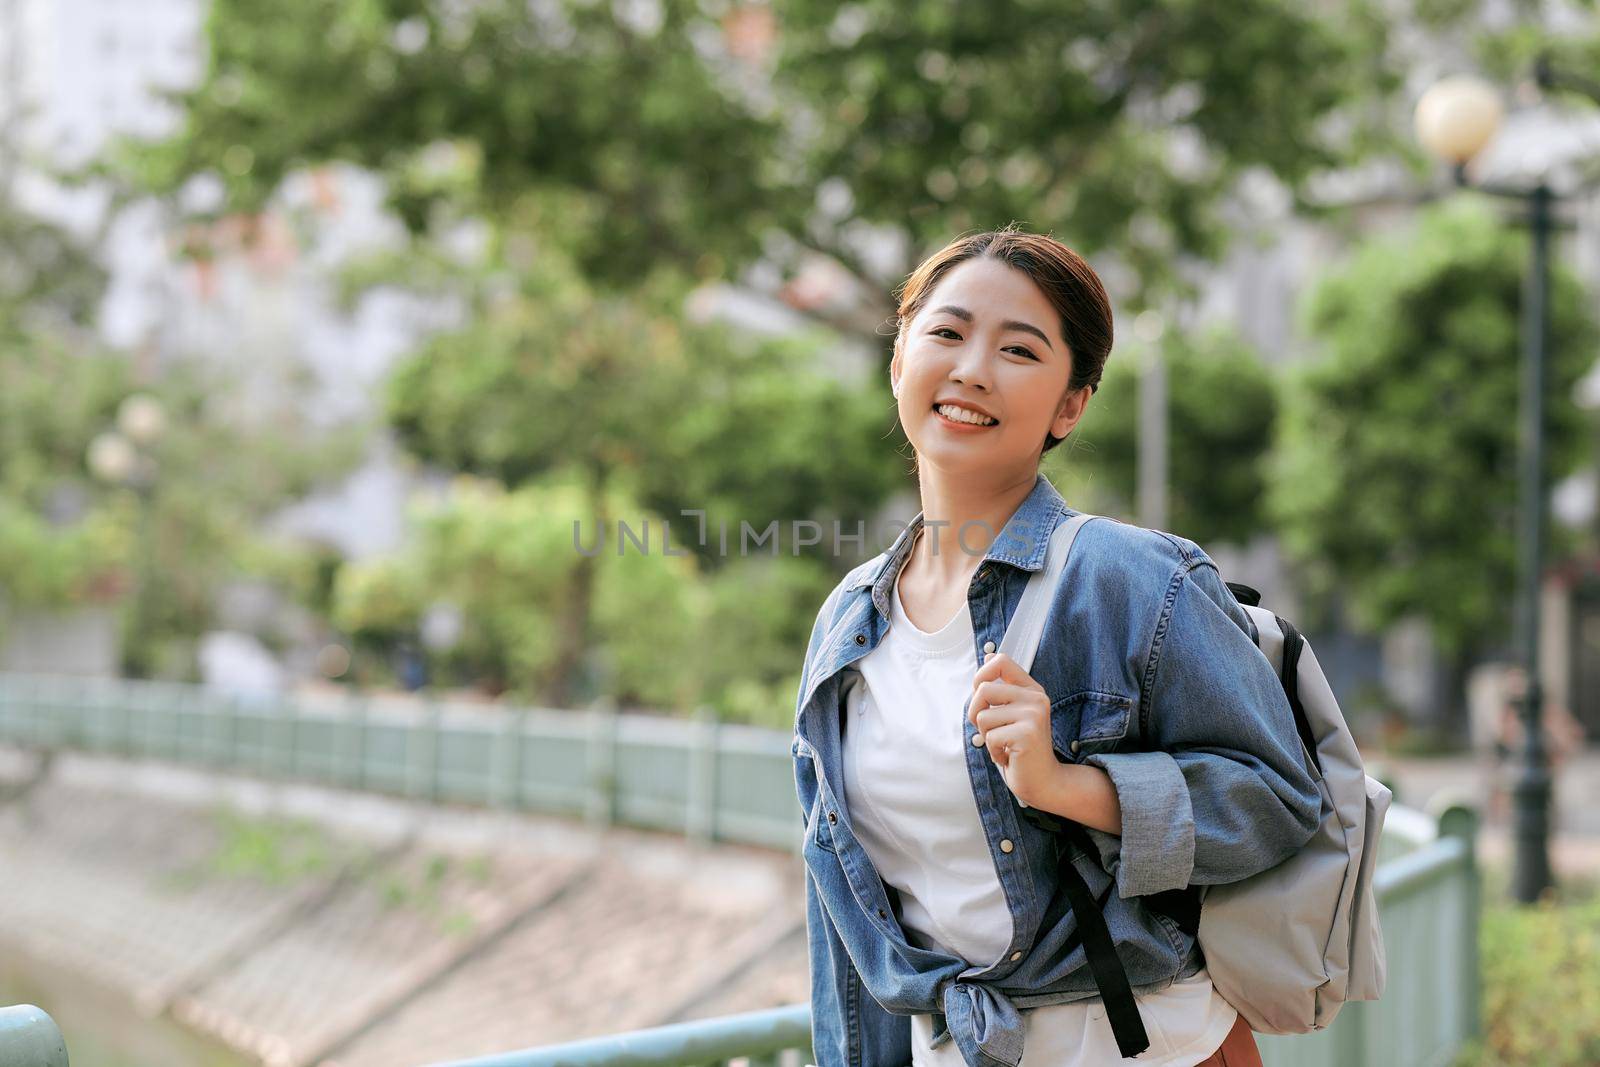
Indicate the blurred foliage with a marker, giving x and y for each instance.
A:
(669, 170)
(549, 377)
(1508, 50)
(49, 280)
(1541, 981)
(1119, 125)
(273, 849)
(1397, 474)
(1222, 404)
(663, 634)
(550, 380)
(42, 566)
(225, 462)
(762, 434)
(1135, 119)
(56, 547)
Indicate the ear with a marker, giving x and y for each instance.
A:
(1070, 411)
(894, 368)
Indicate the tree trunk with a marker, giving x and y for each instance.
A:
(577, 606)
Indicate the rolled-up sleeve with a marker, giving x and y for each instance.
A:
(1222, 790)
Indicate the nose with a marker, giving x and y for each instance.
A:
(970, 366)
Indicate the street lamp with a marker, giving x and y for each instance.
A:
(1455, 119)
(115, 457)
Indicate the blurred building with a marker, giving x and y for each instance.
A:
(77, 73)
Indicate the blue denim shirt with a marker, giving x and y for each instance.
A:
(1154, 677)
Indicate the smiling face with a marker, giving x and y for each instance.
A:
(987, 341)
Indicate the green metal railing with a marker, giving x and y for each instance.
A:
(776, 1037)
(708, 780)
(1428, 900)
(30, 1038)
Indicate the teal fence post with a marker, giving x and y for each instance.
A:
(230, 731)
(291, 738)
(507, 756)
(422, 752)
(1461, 821)
(123, 703)
(30, 1038)
(601, 806)
(355, 740)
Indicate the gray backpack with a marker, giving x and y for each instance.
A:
(1288, 946)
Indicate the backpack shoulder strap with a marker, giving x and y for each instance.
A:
(1026, 627)
(1290, 675)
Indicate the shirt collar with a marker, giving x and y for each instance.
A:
(1022, 542)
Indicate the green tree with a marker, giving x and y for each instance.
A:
(685, 143)
(663, 634)
(552, 380)
(1222, 404)
(1396, 478)
(68, 540)
(653, 154)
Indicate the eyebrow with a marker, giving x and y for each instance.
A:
(1010, 324)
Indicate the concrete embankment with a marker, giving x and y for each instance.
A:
(316, 928)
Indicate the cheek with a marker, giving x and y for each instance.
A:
(1027, 399)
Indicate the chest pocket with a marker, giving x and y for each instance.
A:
(1088, 722)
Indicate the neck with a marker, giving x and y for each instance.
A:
(961, 517)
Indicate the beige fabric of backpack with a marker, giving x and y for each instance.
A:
(1288, 946)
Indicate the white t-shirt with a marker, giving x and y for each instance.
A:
(912, 807)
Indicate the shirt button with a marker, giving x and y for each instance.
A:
(977, 740)
(832, 818)
(882, 914)
(988, 646)
(1016, 955)
(1074, 746)
(1005, 846)
(861, 639)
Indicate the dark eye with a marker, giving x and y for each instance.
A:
(1013, 348)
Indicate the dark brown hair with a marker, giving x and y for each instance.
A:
(1066, 280)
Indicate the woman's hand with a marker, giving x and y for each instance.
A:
(1012, 713)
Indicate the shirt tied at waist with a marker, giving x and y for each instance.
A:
(983, 1022)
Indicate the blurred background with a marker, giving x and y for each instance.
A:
(330, 330)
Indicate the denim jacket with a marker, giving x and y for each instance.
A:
(1154, 677)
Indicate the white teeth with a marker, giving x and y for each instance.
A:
(950, 411)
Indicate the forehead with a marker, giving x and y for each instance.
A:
(988, 287)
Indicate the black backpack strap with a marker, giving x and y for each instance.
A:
(1291, 687)
(1121, 1009)
(1244, 594)
(1182, 906)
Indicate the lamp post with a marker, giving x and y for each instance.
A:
(115, 457)
(1455, 119)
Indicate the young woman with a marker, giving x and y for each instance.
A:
(933, 771)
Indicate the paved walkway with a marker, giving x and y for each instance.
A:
(1575, 815)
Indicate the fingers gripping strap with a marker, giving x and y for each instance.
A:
(1026, 628)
